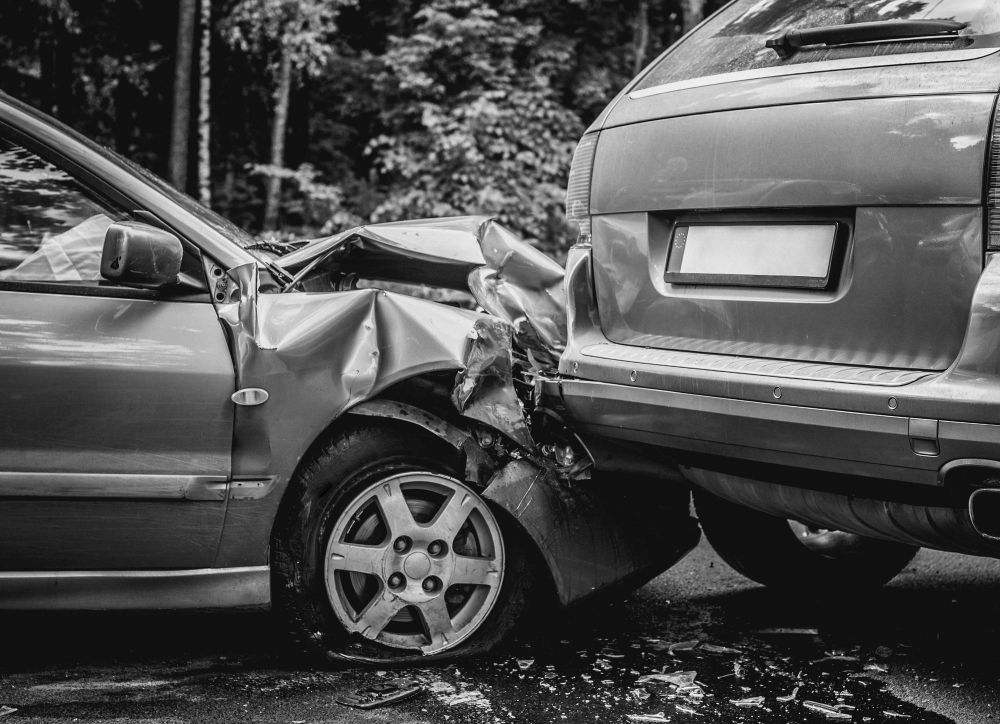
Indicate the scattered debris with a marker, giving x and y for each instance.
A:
(682, 646)
(525, 664)
(370, 697)
(835, 657)
(612, 653)
(5, 710)
(830, 712)
(677, 678)
(686, 710)
(684, 681)
(789, 697)
(714, 649)
(749, 701)
(659, 716)
(788, 632)
(876, 667)
(640, 694)
(895, 714)
(473, 697)
(883, 652)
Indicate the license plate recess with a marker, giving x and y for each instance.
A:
(791, 255)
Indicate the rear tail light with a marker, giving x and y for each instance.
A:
(578, 188)
(993, 191)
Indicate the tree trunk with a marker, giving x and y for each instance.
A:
(182, 94)
(694, 13)
(641, 42)
(204, 105)
(278, 138)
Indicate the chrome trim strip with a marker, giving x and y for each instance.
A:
(100, 485)
(135, 590)
(943, 56)
(758, 366)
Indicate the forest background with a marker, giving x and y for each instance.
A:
(299, 118)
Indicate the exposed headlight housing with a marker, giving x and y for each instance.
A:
(578, 188)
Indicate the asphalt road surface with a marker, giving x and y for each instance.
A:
(924, 649)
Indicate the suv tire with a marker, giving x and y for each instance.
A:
(771, 550)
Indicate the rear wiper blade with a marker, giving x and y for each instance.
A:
(786, 44)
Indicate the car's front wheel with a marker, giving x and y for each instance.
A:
(784, 553)
(383, 553)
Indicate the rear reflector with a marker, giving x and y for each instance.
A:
(993, 194)
(578, 188)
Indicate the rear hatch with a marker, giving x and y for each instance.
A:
(824, 207)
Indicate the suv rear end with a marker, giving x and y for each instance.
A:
(785, 276)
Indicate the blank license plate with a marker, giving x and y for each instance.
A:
(777, 255)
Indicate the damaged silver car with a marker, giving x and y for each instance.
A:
(193, 419)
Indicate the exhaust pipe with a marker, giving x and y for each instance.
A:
(984, 510)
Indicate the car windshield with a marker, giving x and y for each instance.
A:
(733, 40)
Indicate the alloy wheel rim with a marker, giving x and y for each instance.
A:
(415, 561)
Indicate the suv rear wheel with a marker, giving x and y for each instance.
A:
(784, 553)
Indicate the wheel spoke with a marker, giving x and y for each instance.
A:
(395, 512)
(437, 622)
(452, 516)
(475, 571)
(356, 557)
(378, 614)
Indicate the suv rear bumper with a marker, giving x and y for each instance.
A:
(859, 444)
(892, 427)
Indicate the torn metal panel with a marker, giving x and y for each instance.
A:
(509, 278)
(345, 348)
(478, 464)
(594, 536)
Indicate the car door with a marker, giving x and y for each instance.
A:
(115, 411)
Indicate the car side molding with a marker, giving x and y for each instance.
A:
(133, 487)
(201, 588)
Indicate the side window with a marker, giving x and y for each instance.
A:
(51, 229)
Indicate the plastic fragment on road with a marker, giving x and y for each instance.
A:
(382, 694)
(715, 649)
(677, 678)
(749, 701)
(640, 694)
(5, 710)
(686, 710)
(524, 664)
(682, 646)
(788, 632)
(659, 716)
(789, 697)
(876, 667)
(895, 714)
(830, 712)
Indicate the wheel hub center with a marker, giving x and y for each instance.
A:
(417, 565)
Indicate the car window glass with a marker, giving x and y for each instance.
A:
(51, 229)
(733, 40)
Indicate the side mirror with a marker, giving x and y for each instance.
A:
(141, 254)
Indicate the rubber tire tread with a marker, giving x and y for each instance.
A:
(347, 462)
(765, 549)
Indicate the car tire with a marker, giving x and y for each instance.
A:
(449, 580)
(775, 552)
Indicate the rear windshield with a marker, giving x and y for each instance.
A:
(733, 40)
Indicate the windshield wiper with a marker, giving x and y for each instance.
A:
(786, 44)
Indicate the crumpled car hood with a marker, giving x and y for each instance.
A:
(509, 278)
